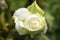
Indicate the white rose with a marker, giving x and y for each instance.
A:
(35, 22)
(19, 16)
(26, 22)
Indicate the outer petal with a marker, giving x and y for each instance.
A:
(20, 28)
(21, 13)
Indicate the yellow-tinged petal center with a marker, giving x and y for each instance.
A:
(34, 24)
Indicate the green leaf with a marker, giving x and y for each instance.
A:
(34, 8)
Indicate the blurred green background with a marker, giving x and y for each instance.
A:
(7, 26)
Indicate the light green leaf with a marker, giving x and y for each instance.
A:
(34, 8)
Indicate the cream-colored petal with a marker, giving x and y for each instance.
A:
(22, 13)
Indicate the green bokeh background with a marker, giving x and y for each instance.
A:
(52, 14)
